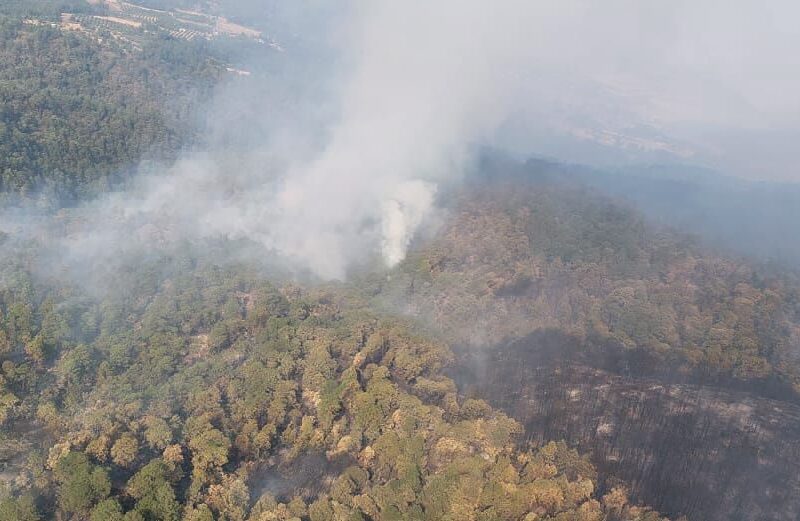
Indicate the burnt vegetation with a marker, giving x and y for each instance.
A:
(532, 360)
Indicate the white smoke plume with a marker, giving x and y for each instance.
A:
(416, 92)
(337, 159)
(426, 81)
(401, 216)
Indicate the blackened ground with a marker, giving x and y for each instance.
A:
(707, 451)
(307, 476)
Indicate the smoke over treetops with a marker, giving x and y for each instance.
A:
(332, 163)
(417, 91)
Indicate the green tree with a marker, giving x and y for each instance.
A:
(125, 450)
(80, 484)
(209, 449)
(107, 510)
(157, 433)
(22, 508)
(153, 490)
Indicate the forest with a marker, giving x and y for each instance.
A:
(530, 250)
(166, 399)
(180, 393)
(192, 387)
(184, 382)
(79, 116)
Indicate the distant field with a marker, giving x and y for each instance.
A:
(123, 21)
(127, 20)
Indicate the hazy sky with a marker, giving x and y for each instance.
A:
(336, 156)
(348, 152)
(708, 81)
(712, 82)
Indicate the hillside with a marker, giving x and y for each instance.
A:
(237, 393)
(745, 217)
(673, 366)
(186, 388)
(536, 348)
(83, 107)
(531, 250)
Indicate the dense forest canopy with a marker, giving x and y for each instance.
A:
(83, 104)
(530, 250)
(78, 116)
(173, 395)
(738, 216)
(192, 387)
(176, 395)
(191, 380)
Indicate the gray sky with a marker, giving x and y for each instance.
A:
(709, 81)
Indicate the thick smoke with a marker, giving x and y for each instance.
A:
(422, 88)
(330, 177)
(337, 156)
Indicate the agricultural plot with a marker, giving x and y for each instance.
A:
(182, 23)
(130, 22)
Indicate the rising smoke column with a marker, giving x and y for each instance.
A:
(428, 80)
(420, 84)
(332, 180)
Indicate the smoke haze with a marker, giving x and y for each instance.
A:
(337, 159)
